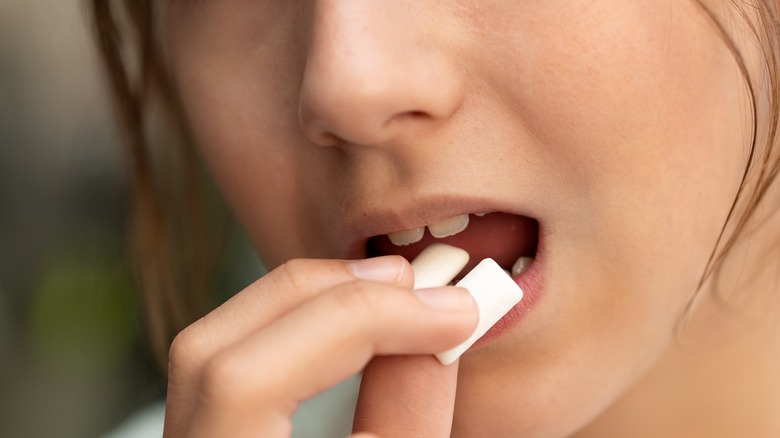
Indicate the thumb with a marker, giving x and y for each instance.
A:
(406, 396)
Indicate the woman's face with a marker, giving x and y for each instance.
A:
(616, 125)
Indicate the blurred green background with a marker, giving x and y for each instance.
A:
(73, 361)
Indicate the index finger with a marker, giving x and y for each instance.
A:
(281, 290)
(407, 396)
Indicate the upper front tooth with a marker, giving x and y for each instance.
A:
(449, 227)
(407, 237)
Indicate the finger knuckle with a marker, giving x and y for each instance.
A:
(295, 273)
(294, 267)
(185, 349)
(359, 301)
(223, 382)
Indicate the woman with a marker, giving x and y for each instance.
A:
(628, 148)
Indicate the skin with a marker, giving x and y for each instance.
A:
(618, 125)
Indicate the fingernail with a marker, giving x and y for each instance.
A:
(449, 299)
(389, 269)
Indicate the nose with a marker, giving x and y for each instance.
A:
(374, 70)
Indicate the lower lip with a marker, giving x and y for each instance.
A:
(531, 281)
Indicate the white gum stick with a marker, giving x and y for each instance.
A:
(493, 290)
(437, 265)
(495, 293)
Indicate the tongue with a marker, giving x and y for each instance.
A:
(500, 236)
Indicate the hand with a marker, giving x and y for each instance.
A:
(243, 369)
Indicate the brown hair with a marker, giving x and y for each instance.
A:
(173, 245)
(173, 216)
(761, 21)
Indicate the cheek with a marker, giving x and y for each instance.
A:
(240, 111)
(638, 124)
(656, 147)
(638, 118)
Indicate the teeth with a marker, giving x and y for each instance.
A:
(521, 265)
(449, 227)
(480, 214)
(445, 228)
(407, 237)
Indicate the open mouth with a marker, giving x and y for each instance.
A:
(510, 240)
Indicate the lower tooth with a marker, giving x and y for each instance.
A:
(521, 265)
(406, 237)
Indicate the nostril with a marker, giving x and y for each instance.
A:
(409, 115)
(417, 114)
(317, 132)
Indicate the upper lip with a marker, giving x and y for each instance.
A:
(361, 225)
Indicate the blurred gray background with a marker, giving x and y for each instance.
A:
(73, 362)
